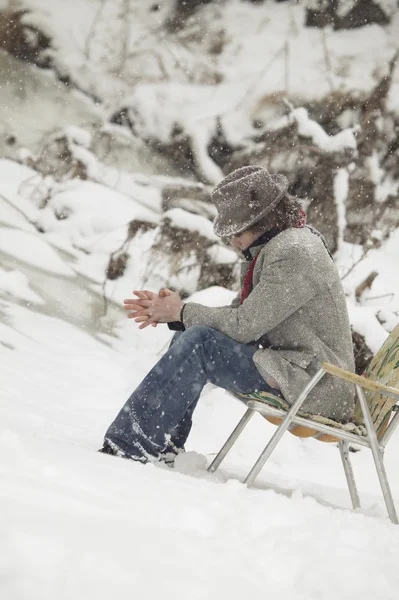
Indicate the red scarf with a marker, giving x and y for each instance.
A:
(247, 285)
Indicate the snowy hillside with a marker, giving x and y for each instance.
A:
(111, 140)
(76, 524)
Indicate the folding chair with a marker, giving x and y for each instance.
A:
(376, 418)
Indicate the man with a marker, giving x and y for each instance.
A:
(290, 314)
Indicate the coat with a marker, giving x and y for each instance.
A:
(296, 313)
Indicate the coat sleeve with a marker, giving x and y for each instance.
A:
(176, 326)
(285, 285)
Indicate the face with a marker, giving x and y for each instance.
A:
(243, 240)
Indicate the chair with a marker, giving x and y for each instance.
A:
(376, 418)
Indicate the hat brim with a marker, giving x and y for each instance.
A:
(224, 231)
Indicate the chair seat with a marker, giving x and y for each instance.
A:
(300, 430)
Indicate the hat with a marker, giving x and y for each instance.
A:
(245, 196)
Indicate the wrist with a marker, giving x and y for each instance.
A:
(175, 313)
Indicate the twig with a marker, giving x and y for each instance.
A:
(359, 260)
(157, 58)
(17, 209)
(287, 66)
(259, 75)
(92, 30)
(122, 248)
(125, 36)
(327, 59)
(382, 296)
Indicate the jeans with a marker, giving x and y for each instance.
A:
(157, 417)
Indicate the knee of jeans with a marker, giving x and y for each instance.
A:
(197, 333)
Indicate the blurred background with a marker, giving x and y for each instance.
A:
(118, 117)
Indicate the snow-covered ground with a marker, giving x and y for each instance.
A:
(77, 525)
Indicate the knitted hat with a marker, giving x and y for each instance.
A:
(244, 197)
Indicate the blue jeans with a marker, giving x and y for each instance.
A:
(156, 419)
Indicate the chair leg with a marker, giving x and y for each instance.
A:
(344, 451)
(274, 440)
(378, 457)
(231, 441)
(385, 487)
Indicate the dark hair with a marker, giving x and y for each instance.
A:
(287, 213)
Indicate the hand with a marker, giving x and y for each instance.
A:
(142, 295)
(152, 308)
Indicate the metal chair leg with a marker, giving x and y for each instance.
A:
(274, 440)
(231, 441)
(344, 451)
(378, 457)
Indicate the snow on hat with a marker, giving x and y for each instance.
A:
(245, 196)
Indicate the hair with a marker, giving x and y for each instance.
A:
(287, 213)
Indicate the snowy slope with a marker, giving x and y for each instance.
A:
(75, 524)
(78, 525)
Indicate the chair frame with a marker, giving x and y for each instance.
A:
(369, 440)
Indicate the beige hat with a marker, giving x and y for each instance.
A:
(245, 196)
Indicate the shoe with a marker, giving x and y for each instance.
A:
(113, 450)
(107, 449)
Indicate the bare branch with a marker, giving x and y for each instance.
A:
(92, 30)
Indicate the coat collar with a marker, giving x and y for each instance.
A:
(254, 249)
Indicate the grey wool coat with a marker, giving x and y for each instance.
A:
(297, 313)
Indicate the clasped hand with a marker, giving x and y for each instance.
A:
(150, 308)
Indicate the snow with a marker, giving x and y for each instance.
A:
(341, 189)
(221, 255)
(17, 180)
(184, 220)
(82, 524)
(34, 103)
(30, 249)
(84, 210)
(376, 173)
(213, 296)
(16, 284)
(308, 128)
(84, 222)
(363, 321)
(91, 48)
(178, 81)
(79, 136)
(201, 136)
(384, 291)
(10, 216)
